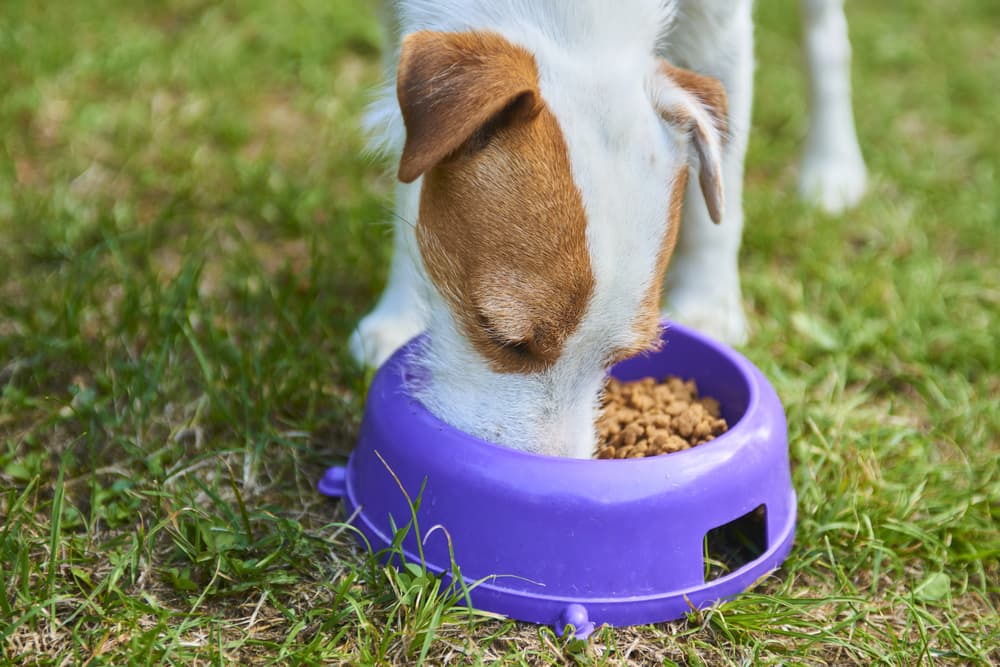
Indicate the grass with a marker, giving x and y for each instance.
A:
(189, 231)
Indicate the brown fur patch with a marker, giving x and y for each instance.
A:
(451, 84)
(502, 229)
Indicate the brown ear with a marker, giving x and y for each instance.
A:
(698, 105)
(705, 89)
(452, 84)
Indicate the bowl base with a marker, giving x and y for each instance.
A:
(489, 593)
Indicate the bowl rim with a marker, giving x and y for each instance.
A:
(419, 417)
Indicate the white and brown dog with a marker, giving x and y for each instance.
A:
(544, 155)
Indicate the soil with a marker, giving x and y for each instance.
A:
(647, 418)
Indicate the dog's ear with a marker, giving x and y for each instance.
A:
(697, 105)
(452, 85)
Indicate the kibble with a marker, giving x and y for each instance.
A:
(647, 418)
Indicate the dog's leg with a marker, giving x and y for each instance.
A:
(703, 283)
(400, 312)
(833, 172)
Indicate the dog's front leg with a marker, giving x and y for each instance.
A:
(703, 282)
(400, 313)
(833, 174)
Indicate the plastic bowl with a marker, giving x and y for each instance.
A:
(555, 541)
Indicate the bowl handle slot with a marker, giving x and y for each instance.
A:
(729, 547)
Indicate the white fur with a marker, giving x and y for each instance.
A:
(598, 74)
(833, 174)
(703, 285)
(401, 311)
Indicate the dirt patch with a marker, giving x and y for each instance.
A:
(647, 418)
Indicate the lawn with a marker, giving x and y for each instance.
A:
(189, 229)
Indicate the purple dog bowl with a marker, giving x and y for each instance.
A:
(566, 541)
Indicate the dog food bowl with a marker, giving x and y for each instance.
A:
(582, 542)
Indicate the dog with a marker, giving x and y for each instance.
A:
(553, 157)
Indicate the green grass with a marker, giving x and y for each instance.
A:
(189, 230)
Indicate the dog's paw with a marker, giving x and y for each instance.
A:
(721, 318)
(834, 183)
(379, 334)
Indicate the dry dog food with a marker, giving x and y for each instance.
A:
(646, 418)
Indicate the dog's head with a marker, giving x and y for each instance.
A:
(549, 208)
